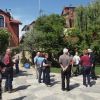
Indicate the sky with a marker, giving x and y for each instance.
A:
(27, 11)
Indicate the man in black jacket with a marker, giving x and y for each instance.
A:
(92, 59)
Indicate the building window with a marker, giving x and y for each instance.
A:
(1, 21)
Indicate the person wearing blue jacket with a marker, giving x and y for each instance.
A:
(39, 63)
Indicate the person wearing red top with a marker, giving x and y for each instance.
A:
(86, 64)
(9, 71)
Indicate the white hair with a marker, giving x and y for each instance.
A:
(65, 50)
(89, 50)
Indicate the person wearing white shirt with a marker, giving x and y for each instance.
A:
(76, 60)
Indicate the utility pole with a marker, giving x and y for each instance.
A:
(40, 10)
(39, 7)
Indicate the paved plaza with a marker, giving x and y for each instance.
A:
(26, 87)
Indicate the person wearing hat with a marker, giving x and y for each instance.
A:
(92, 59)
(64, 61)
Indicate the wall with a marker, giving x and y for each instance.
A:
(13, 28)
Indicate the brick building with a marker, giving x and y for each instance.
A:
(12, 25)
(69, 15)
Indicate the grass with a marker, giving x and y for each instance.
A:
(97, 70)
(57, 70)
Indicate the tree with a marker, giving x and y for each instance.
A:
(47, 34)
(4, 39)
(88, 23)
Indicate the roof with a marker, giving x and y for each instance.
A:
(11, 19)
(67, 8)
(26, 27)
(5, 12)
(32, 22)
(15, 21)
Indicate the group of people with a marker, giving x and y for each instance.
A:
(6, 70)
(86, 62)
(42, 65)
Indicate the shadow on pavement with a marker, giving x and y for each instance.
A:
(53, 82)
(22, 73)
(93, 83)
(20, 98)
(74, 86)
(23, 87)
(52, 75)
(98, 77)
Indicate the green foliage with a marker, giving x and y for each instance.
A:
(88, 23)
(49, 35)
(15, 50)
(46, 35)
(4, 39)
(51, 28)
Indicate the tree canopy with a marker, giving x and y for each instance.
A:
(47, 33)
(88, 24)
(4, 39)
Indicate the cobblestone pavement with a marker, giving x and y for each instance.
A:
(26, 87)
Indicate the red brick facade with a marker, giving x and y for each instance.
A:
(69, 15)
(11, 25)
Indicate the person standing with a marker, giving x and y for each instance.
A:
(9, 71)
(46, 70)
(16, 58)
(36, 66)
(2, 70)
(86, 64)
(92, 59)
(76, 61)
(39, 63)
(64, 61)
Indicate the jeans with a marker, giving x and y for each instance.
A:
(46, 76)
(17, 67)
(37, 71)
(40, 74)
(8, 83)
(93, 75)
(9, 79)
(86, 75)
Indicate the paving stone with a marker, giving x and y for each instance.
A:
(26, 87)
